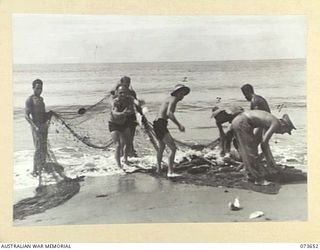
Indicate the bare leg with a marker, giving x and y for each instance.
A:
(121, 146)
(40, 176)
(228, 140)
(130, 140)
(116, 140)
(37, 153)
(159, 155)
(168, 140)
(258, 134)
(248, 149)
(126, 140)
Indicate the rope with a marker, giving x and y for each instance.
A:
(212, 144)
(150, 132)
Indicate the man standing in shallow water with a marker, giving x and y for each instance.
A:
(36, 115)
(160, 126)
(224, 115)
(243, 126)
(122, 108)
(256, 101)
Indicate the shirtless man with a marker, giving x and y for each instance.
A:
(256, 101)
(132, 119)
(37, 117)
(122, 107)
(243, 126)
(166, 112)
(223, 116)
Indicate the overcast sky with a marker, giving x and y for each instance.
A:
(95, 39)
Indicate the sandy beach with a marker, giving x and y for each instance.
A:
(106, 196)
(141, 198)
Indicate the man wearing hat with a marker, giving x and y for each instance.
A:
(243, 126)
(160, 125)
(222, 116)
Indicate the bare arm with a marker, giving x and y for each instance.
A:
(268, 134)
(29, 120)
(137, 104)
(229, 137)
(258, 134)
(170, 113)
(115, 112)
(222, 138)
(268, 155)
(254, 104)
(265, 144)
(28, 109)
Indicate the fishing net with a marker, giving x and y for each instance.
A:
(81, 130)
(88, 125)
(79, 143)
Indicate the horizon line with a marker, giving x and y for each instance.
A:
(265, 59)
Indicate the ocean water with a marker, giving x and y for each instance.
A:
(281, 82)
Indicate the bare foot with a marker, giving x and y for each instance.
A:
(262, 183)
(172, 175)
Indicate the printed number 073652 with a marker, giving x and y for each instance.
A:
(312, 246)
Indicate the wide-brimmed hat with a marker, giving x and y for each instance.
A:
(216, 110)
(180, 87)
(289, 123)
(233, 110)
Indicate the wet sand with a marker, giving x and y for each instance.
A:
(141, 198)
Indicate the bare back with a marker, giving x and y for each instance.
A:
(258, 102)
(261, 119)
(169, 105)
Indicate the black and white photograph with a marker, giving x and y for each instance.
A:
(121, 119)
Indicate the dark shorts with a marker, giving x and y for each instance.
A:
(132, 121)
(117, 127)
(160, 127)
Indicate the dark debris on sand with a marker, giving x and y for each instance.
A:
(47, 197)
(202, 171)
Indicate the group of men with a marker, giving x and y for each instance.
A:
(123, 120)
(248, 129)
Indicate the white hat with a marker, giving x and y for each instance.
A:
(180, 87)
(233, 110)
(287, 120)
